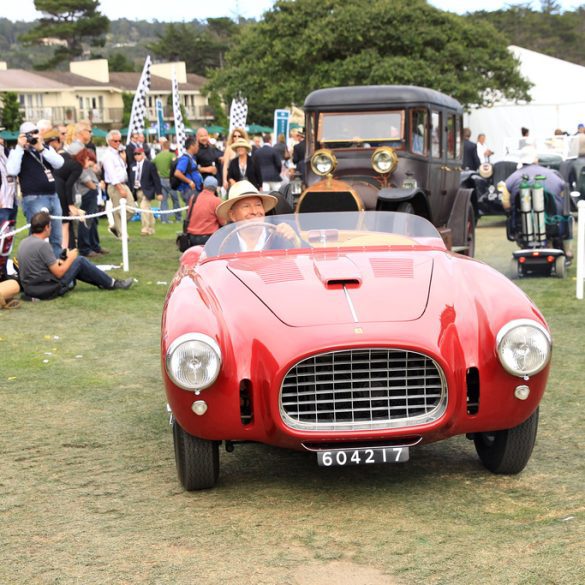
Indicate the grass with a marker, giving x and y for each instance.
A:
(88, 488)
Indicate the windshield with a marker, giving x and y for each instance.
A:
(361, 129)
(308, 231)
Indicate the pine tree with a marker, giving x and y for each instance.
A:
(10, 113)
(74, 21)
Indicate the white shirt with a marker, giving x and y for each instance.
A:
(260, 243)
(114, 167)
(481, 148)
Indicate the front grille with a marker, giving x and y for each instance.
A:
(361, 389)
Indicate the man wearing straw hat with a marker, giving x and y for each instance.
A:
(245, 204)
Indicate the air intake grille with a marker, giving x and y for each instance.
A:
(362, 389)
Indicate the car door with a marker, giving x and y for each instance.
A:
(438, 171)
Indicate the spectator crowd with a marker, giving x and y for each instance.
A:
(57, 177)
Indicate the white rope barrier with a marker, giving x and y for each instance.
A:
(94, 215)
(124, 227)
(580, 249)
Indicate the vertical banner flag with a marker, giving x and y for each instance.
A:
(160, 119)
(238, 113)
(179, 125)
(281, 118)
(139, 104)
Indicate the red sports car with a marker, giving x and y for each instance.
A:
(364, 340)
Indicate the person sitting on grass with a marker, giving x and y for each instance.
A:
(43, 276)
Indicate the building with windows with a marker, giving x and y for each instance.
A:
(90, 90)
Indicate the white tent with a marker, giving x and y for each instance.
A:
(558, 102)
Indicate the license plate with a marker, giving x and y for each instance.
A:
(342, 457)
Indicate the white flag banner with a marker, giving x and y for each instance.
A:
(139, 104)
(238, 113)
(179, 124)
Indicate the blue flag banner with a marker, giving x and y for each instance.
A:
(160, 117)
(281, 119)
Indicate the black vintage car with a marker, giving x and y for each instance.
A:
(395, 148)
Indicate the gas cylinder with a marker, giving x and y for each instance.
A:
(538, 208)
(526, 208)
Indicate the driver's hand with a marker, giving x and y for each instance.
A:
(288, 233)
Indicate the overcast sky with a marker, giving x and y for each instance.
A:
(177, 10)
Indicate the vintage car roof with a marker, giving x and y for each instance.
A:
(364, 96)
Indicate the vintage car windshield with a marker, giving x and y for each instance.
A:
(361, 129)
(320, 230)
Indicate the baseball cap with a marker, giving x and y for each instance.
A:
(210, 183)
(139, 150)
(28, 127)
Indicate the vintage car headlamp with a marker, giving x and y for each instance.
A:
(384, 160)
(193, 361)
(524, 347)
(323, 162)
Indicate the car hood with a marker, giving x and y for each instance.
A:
(313, 290)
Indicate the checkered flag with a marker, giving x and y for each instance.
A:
(179, 125)
(139, 103)
(238, 113)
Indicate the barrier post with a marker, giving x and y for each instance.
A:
(580, 249)
(124, 234)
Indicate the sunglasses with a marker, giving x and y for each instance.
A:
(115, 140)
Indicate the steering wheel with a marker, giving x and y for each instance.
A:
(246, 225)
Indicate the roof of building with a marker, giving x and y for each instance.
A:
(72, 79)
(19, 79)
(129, 82)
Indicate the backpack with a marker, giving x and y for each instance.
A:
(175, 182)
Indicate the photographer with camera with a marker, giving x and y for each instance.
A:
(34, 165)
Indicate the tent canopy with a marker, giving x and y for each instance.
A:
(558, 102)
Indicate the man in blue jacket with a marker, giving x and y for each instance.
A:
(187, 171)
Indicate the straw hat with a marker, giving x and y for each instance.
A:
(241, 143)
(241, 190)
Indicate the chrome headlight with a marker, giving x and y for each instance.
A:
(193, 361)
(384, 160)
(524, 347)
(323, 162)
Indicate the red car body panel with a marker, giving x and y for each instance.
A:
(268, 311)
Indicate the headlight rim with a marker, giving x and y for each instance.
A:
(202, 337)
(330, 155)
(506, 329)
(393, 156)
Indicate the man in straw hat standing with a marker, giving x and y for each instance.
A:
(246, 205)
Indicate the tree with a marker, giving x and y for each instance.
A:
(550, 32)
(219, 114)
(72, 21)
(201, 48)
(10, 114)
(119, 62)
(302, 45)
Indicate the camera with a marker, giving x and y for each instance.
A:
(63, 255)
(31, 138)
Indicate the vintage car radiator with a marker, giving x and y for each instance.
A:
(361, 389)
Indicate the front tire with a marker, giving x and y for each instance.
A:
(507, 452)
(197, 460)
